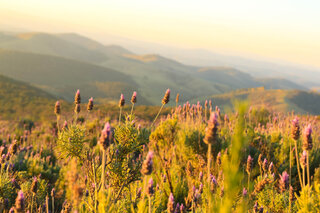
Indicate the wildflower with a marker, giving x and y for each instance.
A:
(206, 104)
(57, 108)
(213, 184)
(13, 148)
(65, 125)
(221, 191)
(166, 97)
(90, 104)
(77, 97)
(53, 192)
(307, 138)
(201, 188)
(170, 205)
(249, 164)
(200, 176)
(177, 210)
(244, 192)
(295, 129)
(105, 137)
(261, 209)
(150, 188)
(211, 130)
(255, 207)
(284, 181)
(260, 185)
(147, 164)
(177, 98)
(303, 159)
(271, 168)
(11, 210)
(265, 165)
(34, 185)
(226, 118)
(219, 159)
(182, 207)
(134, 97)
(19, 205)
(121, 101)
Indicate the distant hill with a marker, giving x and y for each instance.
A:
(19, 99)
(277, 100)
(62, 77)
(151, 74)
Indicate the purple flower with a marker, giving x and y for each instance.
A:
(244, 192)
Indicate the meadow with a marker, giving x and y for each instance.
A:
(187, 158)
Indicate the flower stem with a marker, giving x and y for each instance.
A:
(308, 168)
(298, 167)
(103, 169)
(120, 115)
(157, 115)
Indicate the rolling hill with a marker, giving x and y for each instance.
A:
(62, 77)
(276, 100)
(81, 61)
(19, 99)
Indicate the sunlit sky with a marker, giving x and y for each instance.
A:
(288, 30)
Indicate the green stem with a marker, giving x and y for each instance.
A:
(120, 115)
(248, 182)
(308, 168)
(157, 115)
(132, 110)
(149, 204)
(103, 169)
(32, 202)
(298, 167)
(208, 172)
(303, 177)
(58, 127)
(52, 204)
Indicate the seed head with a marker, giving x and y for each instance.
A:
(265, 165)
(19, 205)
(307, 138)
(212, 129)
(121, 101)
(90, 104)
(244, 192)
(166, 97)
(77, 97)
(177, 98)
(150, 188)
(284, 181)
(34, 185)
(57, 108)
(134, 97)
(295, 129)
(249, 164)
(271, 168)
(170, 205)
(303, 159)
(147, 164)
(105, 136)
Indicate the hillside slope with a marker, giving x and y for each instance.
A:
(276, 100)
(152, 73)
(62, 77)
(19, 99)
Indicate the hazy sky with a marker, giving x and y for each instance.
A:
(282, 29)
